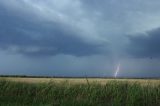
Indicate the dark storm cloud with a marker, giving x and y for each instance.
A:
(20, 35)
(145, 44)
(78, 37)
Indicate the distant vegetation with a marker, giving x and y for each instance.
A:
(105, 77)
(114, 93)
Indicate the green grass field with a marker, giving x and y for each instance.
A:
(64, 93)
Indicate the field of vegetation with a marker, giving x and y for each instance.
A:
(64, 93)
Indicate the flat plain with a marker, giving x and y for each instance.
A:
(79, 92)
(82, 80)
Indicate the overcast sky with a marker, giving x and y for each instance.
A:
(80, 37)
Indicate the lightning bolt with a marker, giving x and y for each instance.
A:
(117, 71)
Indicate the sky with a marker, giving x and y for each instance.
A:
(80, 37)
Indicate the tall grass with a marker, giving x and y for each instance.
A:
(113, 93)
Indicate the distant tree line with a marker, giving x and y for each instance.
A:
(111, 77)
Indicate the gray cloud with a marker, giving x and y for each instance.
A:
(23, 36)
(77, 37)
(145, 45)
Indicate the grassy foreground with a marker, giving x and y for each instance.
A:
(113, 93)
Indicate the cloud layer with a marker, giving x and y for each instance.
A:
(83, 36)
(29, 37)
(145, 45)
